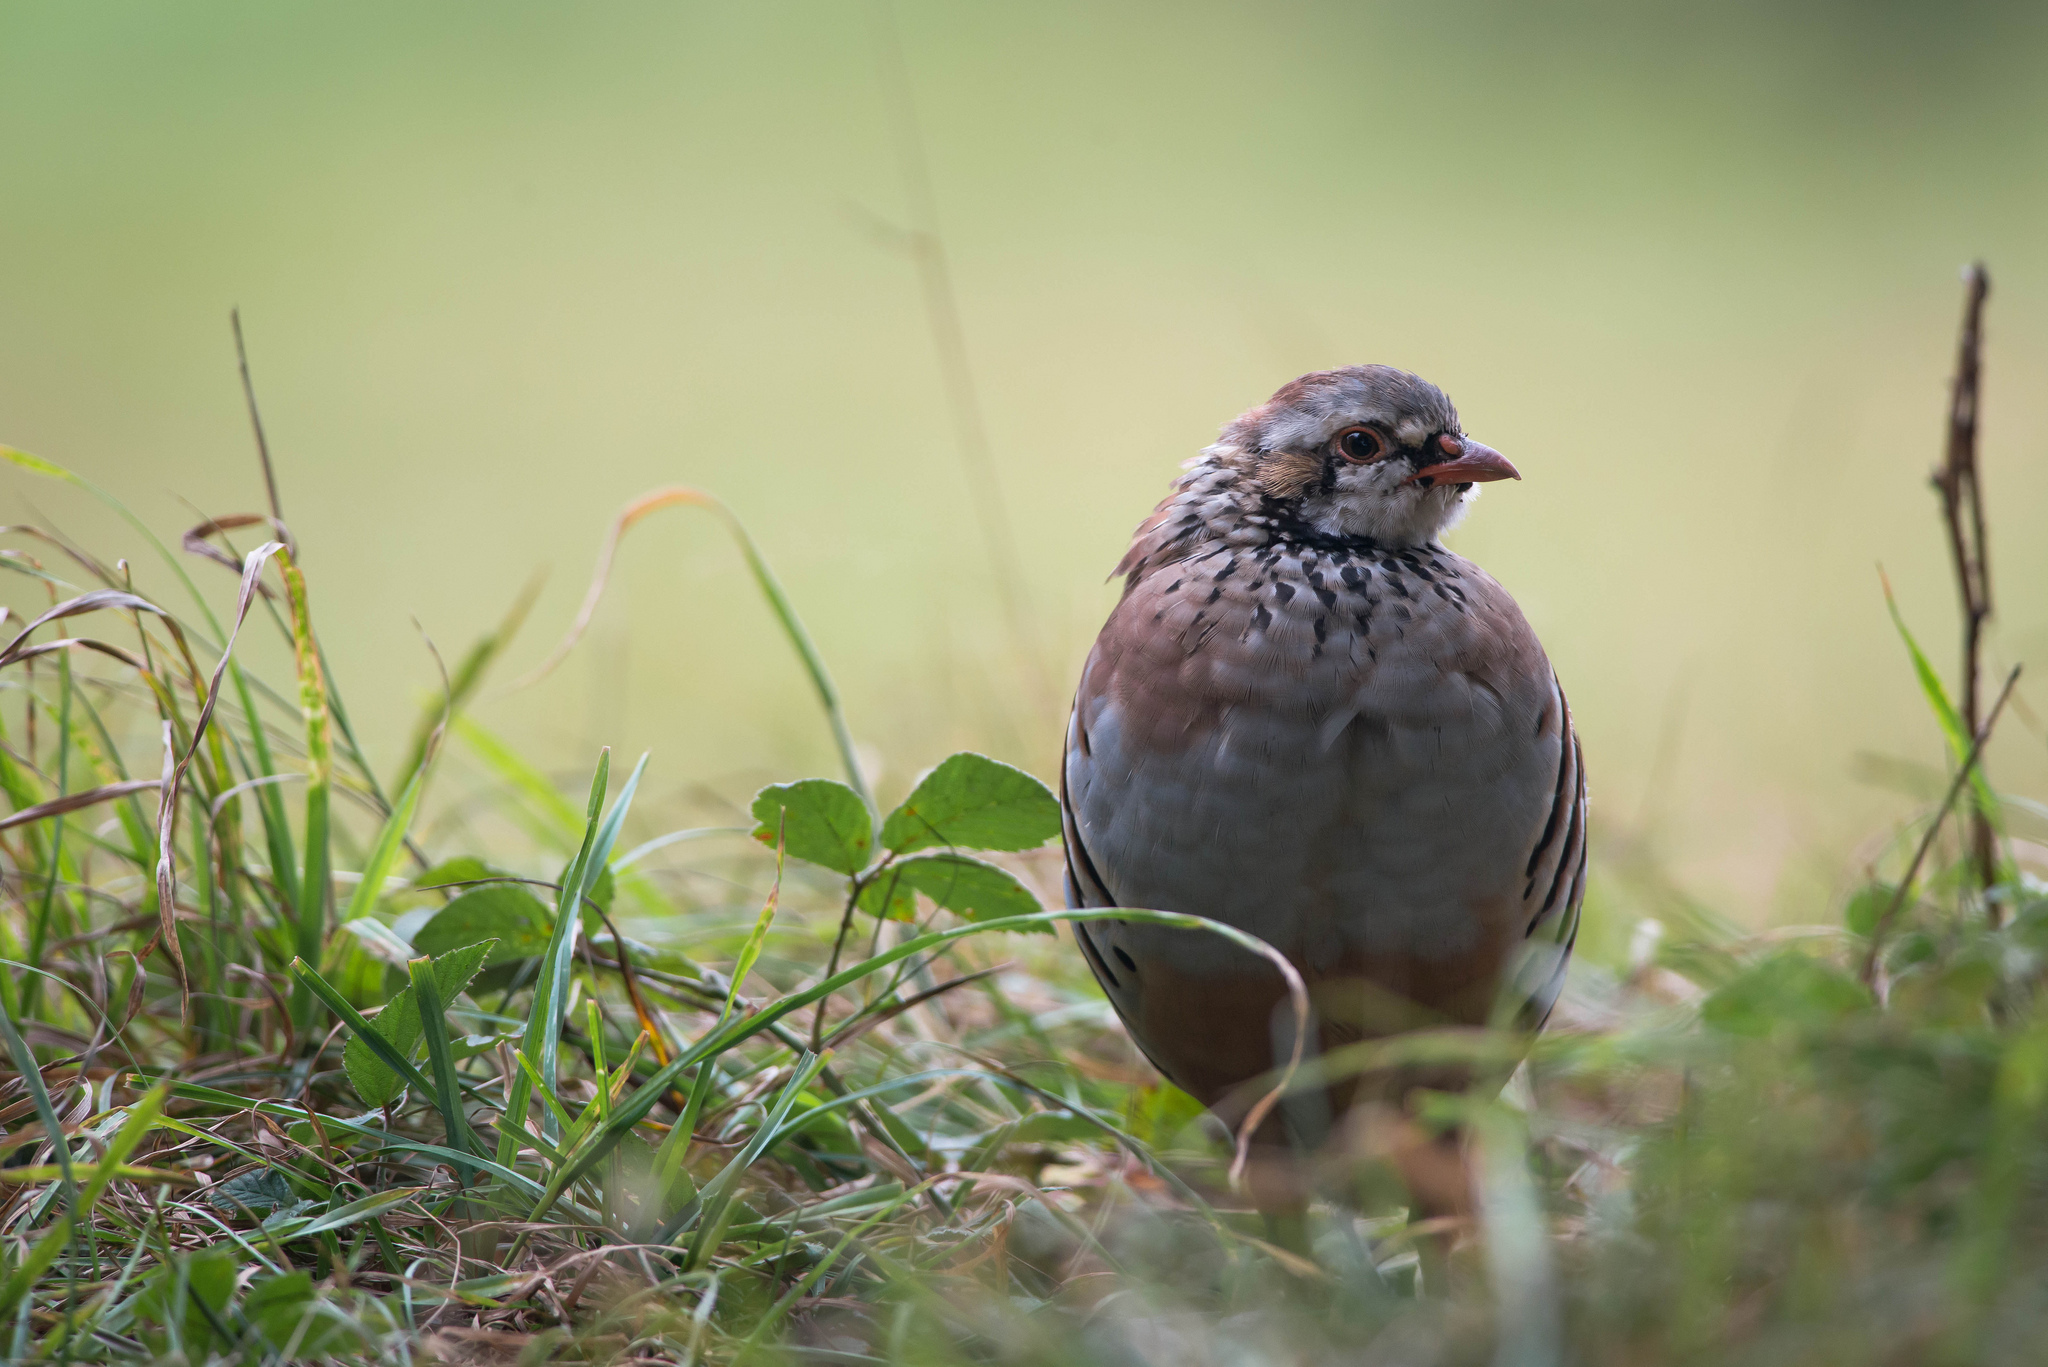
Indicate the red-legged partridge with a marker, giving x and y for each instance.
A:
(1307, 719)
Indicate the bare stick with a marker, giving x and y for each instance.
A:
(942, 310)
(1955, 788)
(255, 418)
(1962, 506)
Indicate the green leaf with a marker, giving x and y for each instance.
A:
(821, 822)
(506, 913)
(1789, 990)
(976, 890)
(1869, 903)
(191, 1293)
(399, 1024)
(288, 1312)
(973, 802)
(258, 1191)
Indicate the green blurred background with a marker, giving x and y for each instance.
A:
(504, 266)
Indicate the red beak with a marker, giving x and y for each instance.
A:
(1469, 463)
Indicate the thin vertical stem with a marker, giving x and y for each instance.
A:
(255, 417)
(1962, 504)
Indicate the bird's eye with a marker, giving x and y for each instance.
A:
(1360, 445)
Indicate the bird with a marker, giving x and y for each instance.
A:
(1308, 719)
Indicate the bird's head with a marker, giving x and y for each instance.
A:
(1364, 451)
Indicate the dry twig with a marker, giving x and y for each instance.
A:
(1962, 506)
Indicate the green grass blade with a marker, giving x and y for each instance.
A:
(54, 866)
(32, 1079)
(1944, 709)
(40, 1256)
(355, 1212)
(277, 829)
(447, 1083)
(544, 1031)
(384, 854)
(577, 880)
(563, 820)
(543, 1027)
(317, 986)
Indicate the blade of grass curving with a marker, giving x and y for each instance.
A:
(101, 1173)
(384, 853)
(633, 1109)
(90, 797)
(174, 772)
(50, 468)
(562, 1117)
(750, 952)
(32, 1080)
(764, 578)
(1938, 701)
(662, 842)
(544, 1031)
(318, 987)
(1905, 885)
(447, 1084)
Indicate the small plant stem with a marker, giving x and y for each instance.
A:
(1962, 506)
(853, 887)
(255, 417)
(1955, 788)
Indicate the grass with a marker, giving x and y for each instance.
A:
(302, 1065)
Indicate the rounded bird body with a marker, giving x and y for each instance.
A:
(1307, 719)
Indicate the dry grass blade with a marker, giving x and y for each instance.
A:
(98, 600)
(72, 802)
(174, 772)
